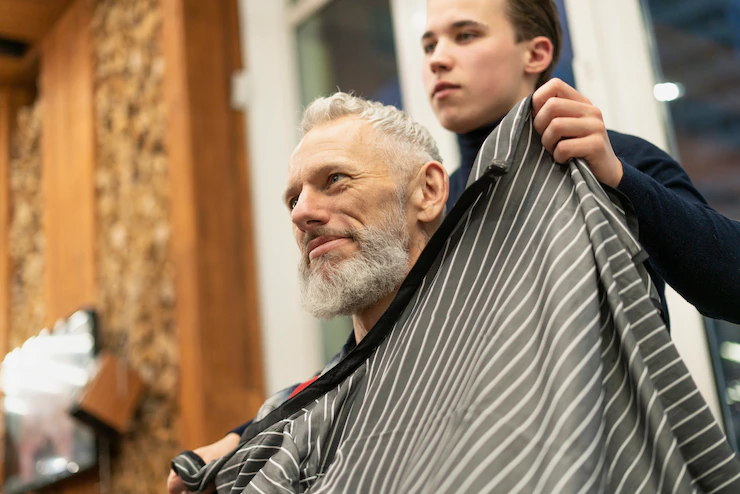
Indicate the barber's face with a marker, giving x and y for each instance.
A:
(337, 185)
(473, 69)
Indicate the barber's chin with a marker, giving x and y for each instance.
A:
(454, 122)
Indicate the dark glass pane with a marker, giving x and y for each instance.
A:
(724, 347)
(349, 45)
(698, 45)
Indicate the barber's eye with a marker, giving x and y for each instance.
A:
(293, 203)
(428, 48)
(465, 36)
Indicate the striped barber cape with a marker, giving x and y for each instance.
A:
(523, 354)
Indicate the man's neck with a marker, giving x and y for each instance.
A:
(365, 319)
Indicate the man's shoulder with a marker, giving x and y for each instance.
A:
(629, 141)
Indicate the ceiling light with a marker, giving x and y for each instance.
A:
(668, 91)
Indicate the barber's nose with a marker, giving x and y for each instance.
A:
(440, 59)
(310, 210)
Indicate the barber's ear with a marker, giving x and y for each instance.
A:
(432, 189)
(538, 55)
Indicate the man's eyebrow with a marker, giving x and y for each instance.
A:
(468, 23)
(457, 25)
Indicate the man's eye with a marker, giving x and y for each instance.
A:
(466, 36)
(336, 177)
(293, 203)
(428, 47)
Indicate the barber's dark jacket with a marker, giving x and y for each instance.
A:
(523, 354)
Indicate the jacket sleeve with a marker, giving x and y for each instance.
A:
(240, 430)
(691, 246)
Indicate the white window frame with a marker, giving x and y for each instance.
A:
(290, 337)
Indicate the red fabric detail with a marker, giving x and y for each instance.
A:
(301, 387)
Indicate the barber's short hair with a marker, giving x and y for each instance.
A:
(403, 143)
(532, 18)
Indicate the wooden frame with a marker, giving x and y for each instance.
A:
(220, 351)
(68, 157)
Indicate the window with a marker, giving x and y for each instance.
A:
(698, 48)
(349, 45)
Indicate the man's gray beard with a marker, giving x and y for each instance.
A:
(335, 287)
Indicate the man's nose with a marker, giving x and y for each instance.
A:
(441, 58)
(310, 210)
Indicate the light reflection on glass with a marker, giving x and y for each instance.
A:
(41, 381)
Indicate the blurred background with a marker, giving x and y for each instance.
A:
(144, 148)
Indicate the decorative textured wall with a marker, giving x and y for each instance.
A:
(26, 236)
(136, 291)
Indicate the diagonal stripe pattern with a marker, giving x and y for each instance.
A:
(524, 353)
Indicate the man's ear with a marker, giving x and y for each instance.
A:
(539, 55)
(432, 189)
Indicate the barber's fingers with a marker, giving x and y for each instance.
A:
(586, 137)
(588, 148)
(555, 88)
(560, 107)
(563, 129)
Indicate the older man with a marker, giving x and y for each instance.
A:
(363, 206)
(366, 190)
(515, 347)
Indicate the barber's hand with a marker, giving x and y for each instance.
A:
(209, 453)
(572, 127)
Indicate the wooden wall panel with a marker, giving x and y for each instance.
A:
(68, 156)
(29, 20)
(221, 377)
(238, 131)
(68, 153)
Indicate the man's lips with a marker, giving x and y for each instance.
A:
(323, 244)
(442, 89)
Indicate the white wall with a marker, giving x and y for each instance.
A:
(291, 340)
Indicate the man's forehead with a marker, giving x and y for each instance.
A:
(348, 141)
(445, 13)
(346, 134)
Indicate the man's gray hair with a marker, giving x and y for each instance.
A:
(404, 144)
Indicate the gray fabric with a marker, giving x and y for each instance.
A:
(530, 357)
